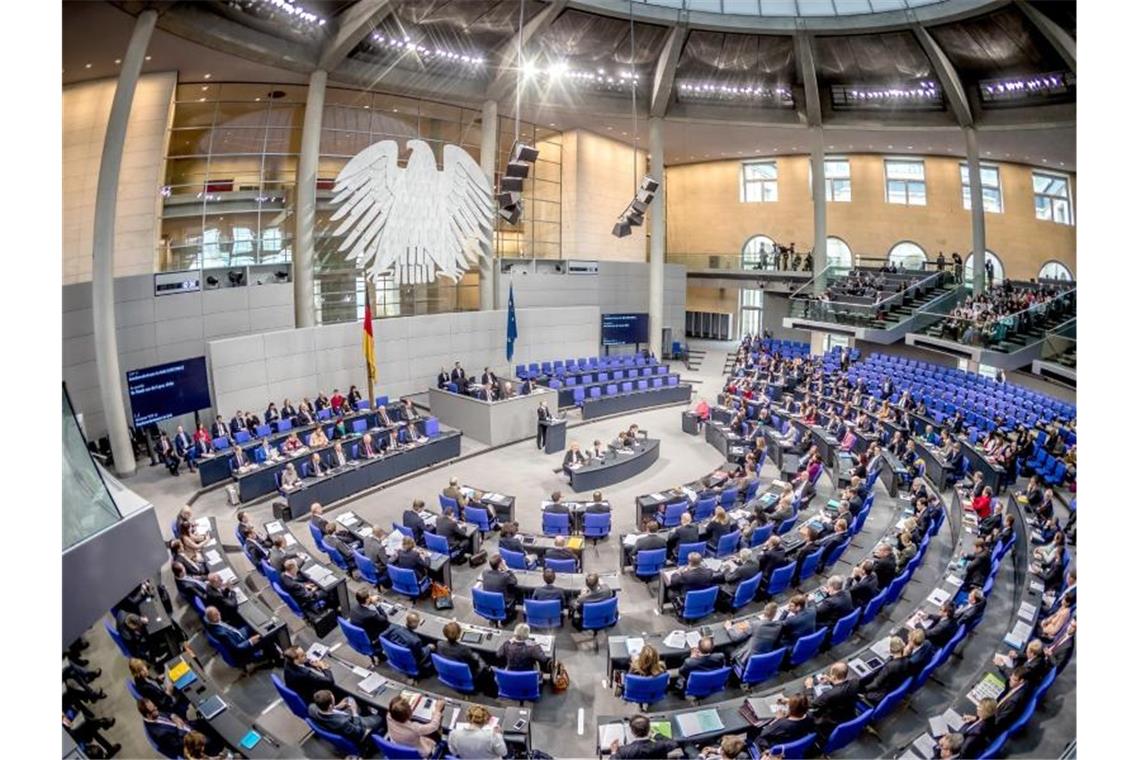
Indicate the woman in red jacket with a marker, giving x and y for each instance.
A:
(983, 504)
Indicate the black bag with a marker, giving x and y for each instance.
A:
(323, 622)
(478, 558)
(282, 511)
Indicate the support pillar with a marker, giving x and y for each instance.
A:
(305, 210)
(657, 235)
(977, 210)
(488, 155)
(819, 204)
(103, 247)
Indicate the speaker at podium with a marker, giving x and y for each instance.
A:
(554, 435)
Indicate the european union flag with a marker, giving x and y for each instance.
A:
(512, 325)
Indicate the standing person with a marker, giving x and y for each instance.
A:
(941, 261)
(544, 415)
(957, 266)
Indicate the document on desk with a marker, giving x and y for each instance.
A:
(544, 640)
(227, 575)
(675, 640)
(273, 527)
(953, 719)
(202, 524)
(348, 519)
(657, 496)
(610, 732)
(882, 648)
(692, 638)
(925, 745)
(630, 539)
(1036, 586)
(634, 645)
(290, 540)
(699, 722)
(372, 682)
(1027, 611)
(953, 580)
(860, 667)
(240, 595)
(990, 686)
(212, 557)
(938, 726)
(938, 596)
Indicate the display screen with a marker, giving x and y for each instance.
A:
(167, 390)
(624, 328)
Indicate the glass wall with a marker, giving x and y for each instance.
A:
(87, 506)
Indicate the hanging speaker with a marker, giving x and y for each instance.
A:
(512, 184)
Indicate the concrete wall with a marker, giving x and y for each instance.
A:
(868, 224)
(155, 329)
(86, 108)
(249, 371)
(598, 182)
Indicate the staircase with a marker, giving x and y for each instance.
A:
(694, 359)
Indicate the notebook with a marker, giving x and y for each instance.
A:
(699, 722)
(250, 740)
(211, 707)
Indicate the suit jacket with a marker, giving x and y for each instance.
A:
(296, 587)
(191, 587)
(742, 572)
(371, 619)
(763, 635)
(182, 443)
(442, 379)
(683, 534)
(837, 704)
(233, 638)
(598, 507)
(546, 593)
(942, 631)
(398, 634)
(557, 553)
(600, 594)
(645, 749)
(413, 520)
(714, 530)
(277, 558)
(501, 581)
(649, 542)
(864, 589)
(340, 722)
(166, 735)
(694, 579)
(449, 529)
(919, 658)
(220, 430)
(573, 457)
(877, 685)
(772, 559)
(521, 655)
(833, 607)
(226, 602)
(410, 559)
(488, 377)
(512, 543)
(306, 680)
(461, 653)
(978, 569)
(544, 413)
(976, 737)
(701, 663)
(885, 570)
(458, 375)
(799, 625)
(557, 508)
(785, 730)
(970, 612)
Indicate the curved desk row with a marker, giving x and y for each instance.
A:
(595, 475)
(602, 406)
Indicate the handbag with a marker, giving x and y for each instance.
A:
(441, 596)
(560, 681)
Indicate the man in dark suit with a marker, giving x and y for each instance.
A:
(944, 627)
(703, 657)
(167, 732)
(863, 583)
(414, 519)
(918, 651)
(574, 456)
(334, 540)
(458, 376)
(772, 556)
(643, 745)
(560, 552)
(556, 505)
(220, 596)
(498, 578)
(442, 379)
(974, 608)
(791, 723)
(520, 653)
(446, 527)
(304, 592)
(597, 505)
(132, 630)
(835, 605)
(304, 677)
(800, 621)
(886, 679)
(1033, 662)
(405, 635)
(239, 644)
(685, 533)
(237, 423)
(486, 393)
(885, 567)
(544, 415)
(187, 585)
(509, 538)
(368, 615)
(978, 565)
(762, 633)
(278, 554)
(184, 446)
(548, 591)
(410, 558)
(488, 377)
(649, 541)
(693, 577)
(742, 568)
(837, 704)
(342, 718)
(452, 649)
(220, 429)
(595, 591)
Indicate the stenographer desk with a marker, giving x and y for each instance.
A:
(616, 467)
(602, 406)
(490, 422)
(731, 446)
(568, 583)
(359, 474)
(500, 505)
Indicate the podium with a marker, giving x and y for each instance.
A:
(690, 423)
(555, 435)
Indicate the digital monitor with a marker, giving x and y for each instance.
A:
(168, 390)
(618, 329)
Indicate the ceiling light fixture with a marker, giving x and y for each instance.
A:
(206, 76)
(118, 61)
(426, 54)
(87, 65)
(774, 95)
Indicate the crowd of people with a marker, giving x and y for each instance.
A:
(988, 318)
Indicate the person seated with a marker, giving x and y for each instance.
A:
(595, 591)
(647, 663)
(335, 539)
(223, 597)
(649, 540)
(885, 567)
(338, 459)
(799, 622)
(1018, 691)
(475, 738)
(375, 549)
(792, 722)
(1034, 660)
(443, 378)
(978, 565)
(486, 393)
(318, 438)
(390, 441)
(1052, 627)
(837, 704)
(597, 505)
(702, 658)
(405, 635)
(166, 731)
(643, 745)
(498, 578)
(549, 592)
(556, 505)
(918, 651)
(367, 448)
(772, 556)
(509, 538)
(693, 577)
(238, 642)
(762, 632)
(877, 684)
(741, 567)
(279, 554)
(368, 615)
(292, 444)
(718, 526)
(158, 690)
(573, 459)
(520, 653)
(410, 557)
(685, 533)
(598, 451)
(560, 552)
(353, 397)
(945, 624)
(836, 604)
(982, 505)
(448, 529)
(383, 419)
(414, 520)
(979, 730)
(452, 649)
(304, 592)
(454, 493)
(408, 410)
(305, 676)
(343, 718)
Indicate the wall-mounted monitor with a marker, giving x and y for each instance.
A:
(619, 329)
(168, 390)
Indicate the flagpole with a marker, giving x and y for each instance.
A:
(370, 299)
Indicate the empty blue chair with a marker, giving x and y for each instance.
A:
(611, 389)
(366, 567)
(673, 512)
(835, 553)
(760, 535)
(727, 544)
(283, 425)
(520, 685)
(781, 579)
(746, 591)
(760, 667)
(221, 444)
(555, 524)
(318, 537)
(599, 615)
(343, 745)
(648, 563)
(291, 698)
(438, 544)
(262, 431)
(642, 385)
(843, 628)
(786, 525)
(671, 380)
(393, 750)
(892, 700)
(115, 637)
(335, 556)
(579, 396)
(684, 550)
(595, 392)
(479, 516)
(268, 571)
(405, 582)
(571, 381)
(561, 565)
(489, 604)
(457, 675)
(704, 508)
(794, 750)
(809, 565)
(644, 690)
(656, 382)
(627, 387)
(873, 606)
(242, 436)
(596, 524)
(728, 497)
(555, 384)
(995, 747)
(894, 591)
(702, 683)
(400, 658)
(449, 505)
(806, 647)
(357, 639)
(515, 560)
(543, 614)
(699, 603)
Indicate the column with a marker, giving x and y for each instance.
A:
(657, 235)
(977, 209)
(103, 247)
(488, 153)
(819, 204)
(305, 209)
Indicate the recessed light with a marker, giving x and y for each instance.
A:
(207, 76)
(201, 100)
(610, 128)
(148, 57)
(910, 147)
(205, 87)
(365, 107)
(87, 65)
(118, 61)
(890, 147)
(831, 147)
(395, 110)
(258, 100)
(1062, 163)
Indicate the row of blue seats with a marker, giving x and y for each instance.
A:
(905, 380)
(596, 391)
(605, 376)
(583, 364)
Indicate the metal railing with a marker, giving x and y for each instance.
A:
(1060, 341)
(739, 262)
(990, 331)
(863, 312)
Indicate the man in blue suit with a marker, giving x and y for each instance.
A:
(800, 621)
(703, 657)
(405, 636)
(342, 718)
(238, 643)
(762, 632)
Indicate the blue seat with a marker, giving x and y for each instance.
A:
(291, 698)
(696, 547)
(357, 639)
(844, 627)
(283, 425)
(324, 414)
(871, 611)
(267, 570)
(702, 683)
(263, 431)
(367, 568)
(627, 387)
(449, 505)
(288, 599)
(704, 508)
(994, 749)
(457, 675)
(760, 535)
(835, 553)
(489, 604)
(611, 389)
(892, 700)
(699, 603)
(393, 750)
(439, 545)
(406, 583)
(133, 690)
(227, 656)
(242, 436)
(649, 563)
(543, 614)
(760, 667)
(115, 637)
(673, 512)
(727, 544)
(596, 524)
(221, 444)
(794, 750)
(514, 560)
(809, 565)
(555, 524)
(728, 497)
(597, 616)
(644, 690)
(894, 591)
(561, 565)
(480, 517)
(845, 733)
(786, 525)
(400, 658)
(520, 685)
(336, 557)
(806, 647)
(318, 537)
(781, 579)
(746, 591)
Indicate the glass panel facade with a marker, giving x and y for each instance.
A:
(907, 255)
(1051, 198)
(992, 261)
(838, 253)
(906, 181)
(758, 182)
(837, 172)
(991, 188)
(758, 253)
(87, 506)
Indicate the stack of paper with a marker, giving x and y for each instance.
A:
(692, 638)
(212, 557)
(882, 647)
(925, 745)
(371, 684)
(938, 596)
(202, 524)
(700, 722)
(1027, 611)
(675, 640)
(227, 575)
(634, 645)
(608, 733)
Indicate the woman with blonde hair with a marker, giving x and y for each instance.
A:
(475, 738)
(647, 663)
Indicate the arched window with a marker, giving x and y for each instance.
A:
(907, 255)
(838, 253)
(1055, 270)
(991, 258)
(758, 253)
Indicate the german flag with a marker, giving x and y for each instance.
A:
(369, 343)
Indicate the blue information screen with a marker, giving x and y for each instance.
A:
(167, 390)
(618, 329)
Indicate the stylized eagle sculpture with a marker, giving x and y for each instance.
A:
(414, 223)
